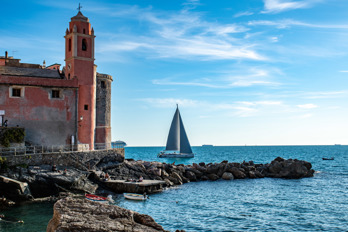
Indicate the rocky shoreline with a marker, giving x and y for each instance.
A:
(45, 183)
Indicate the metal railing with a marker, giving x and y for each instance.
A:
(24, 150)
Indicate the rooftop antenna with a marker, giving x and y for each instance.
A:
(13, 52)
(79, 8)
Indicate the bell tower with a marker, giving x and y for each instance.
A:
(79, 63)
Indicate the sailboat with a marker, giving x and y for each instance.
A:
(178, 145)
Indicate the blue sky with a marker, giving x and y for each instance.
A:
(255, 72)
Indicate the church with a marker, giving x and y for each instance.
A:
(59, 106)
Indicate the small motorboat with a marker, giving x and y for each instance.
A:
(135, 196)
(99, 199)
(332, 158)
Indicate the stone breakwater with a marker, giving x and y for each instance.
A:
(43, 182)
(179, 174)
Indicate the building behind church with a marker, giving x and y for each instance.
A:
(59, 106)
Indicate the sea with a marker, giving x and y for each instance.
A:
(319, 203)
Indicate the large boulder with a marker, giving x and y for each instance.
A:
(227, 176)
(213, 177)
(191, 176)
(74, 215)
(238, 173)
(289, 169)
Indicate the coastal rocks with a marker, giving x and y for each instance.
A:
(289, 169)
(44, 182)
(72, 214)
(238, 173)
(227, 176)
(14, 189)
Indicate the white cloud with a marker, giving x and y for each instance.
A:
(276, 6)
(307, 106)
(170, 102)
(324, 95)
(226, 80)
(244, 13)
(344, 71)
(182, 34)
(286, 23)
(306, 116)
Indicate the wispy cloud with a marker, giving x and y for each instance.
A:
(286, 23)
(305, 116)
(276, 6)
(324, 95)
(246, 78)
(183, 34)
(235, 109)
(307, 106)
(244, 13)
(169, 102)
(344, 71)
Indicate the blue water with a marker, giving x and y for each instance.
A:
(310, 204)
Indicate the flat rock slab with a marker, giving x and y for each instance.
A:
(75, 215)
(148, 186)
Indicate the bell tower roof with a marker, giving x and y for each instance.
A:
(80, 17)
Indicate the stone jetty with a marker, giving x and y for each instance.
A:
(148, 186)
(44, 182)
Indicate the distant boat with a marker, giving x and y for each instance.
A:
(207, 145)
(178, 145)
(118, 144)
(332, 158)
(134, 196)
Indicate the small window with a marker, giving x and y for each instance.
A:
(69, 45)
(69, 76)
(84, 31)
(16, 92)
(102, 84)
(55, 93)
(84, 45)
(86, 107)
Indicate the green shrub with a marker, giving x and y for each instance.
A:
(11, 135)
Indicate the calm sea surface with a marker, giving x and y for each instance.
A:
(310, 204)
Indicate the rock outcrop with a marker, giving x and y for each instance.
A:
(75, 215)
(44, 182)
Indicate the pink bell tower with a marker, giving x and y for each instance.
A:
(79, 63)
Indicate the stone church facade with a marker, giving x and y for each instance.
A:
(68, 106)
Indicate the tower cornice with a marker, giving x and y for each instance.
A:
(79, 58)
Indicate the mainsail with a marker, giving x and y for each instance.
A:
(177, 138)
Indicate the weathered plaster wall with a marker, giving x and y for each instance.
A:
(46, 121)
(103, 109)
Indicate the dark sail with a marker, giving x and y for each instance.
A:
(173, 141)
(177, 138)
(184, 142)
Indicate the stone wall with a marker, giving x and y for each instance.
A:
(85, 159)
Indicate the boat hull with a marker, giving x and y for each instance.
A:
(96, 198)
(175, 155)
(134, 196)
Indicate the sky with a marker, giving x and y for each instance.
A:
(243, 72)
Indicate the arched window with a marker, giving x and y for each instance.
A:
(84, 45)
(69, 45)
